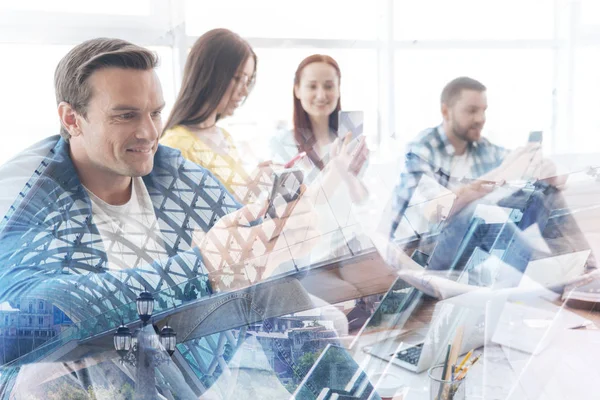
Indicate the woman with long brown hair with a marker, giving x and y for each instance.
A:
(316, 103)
(218, 76)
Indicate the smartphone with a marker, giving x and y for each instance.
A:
(286, 188)
(535, 137)
(350, 121)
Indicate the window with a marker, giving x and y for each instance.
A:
(130, 7)
(519, 98)
(41, 306)
(33, 117)
(165, 72)
(473, 20)
(31, 308)
(586, 103)
(41, 321)
(590, 12)
(36, 67)
(30, 321)
(315, 19)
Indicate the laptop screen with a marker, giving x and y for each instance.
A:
(491, 226)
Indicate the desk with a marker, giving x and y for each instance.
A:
(561, 371)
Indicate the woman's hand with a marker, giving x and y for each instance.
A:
(347, 159)
(349, 153)
(234, 244)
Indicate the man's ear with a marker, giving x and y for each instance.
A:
(69, 118)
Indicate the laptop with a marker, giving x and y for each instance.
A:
(467, 241)
(419, 349)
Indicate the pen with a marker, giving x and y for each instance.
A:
(466, 369)
(444, 371)
(583, 325)
(475, 360)
(461, 376)
(465, 360)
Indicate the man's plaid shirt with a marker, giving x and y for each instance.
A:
(432, 154)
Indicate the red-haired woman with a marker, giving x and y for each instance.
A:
(316, 105)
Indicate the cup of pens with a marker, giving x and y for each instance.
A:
(445, 389)
(447, 381)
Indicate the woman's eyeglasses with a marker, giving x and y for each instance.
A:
(245, 80)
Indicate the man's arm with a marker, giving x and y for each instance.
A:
(416, 165)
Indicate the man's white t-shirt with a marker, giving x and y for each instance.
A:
(130, 232)
(462, 166)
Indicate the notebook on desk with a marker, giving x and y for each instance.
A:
(532, 329)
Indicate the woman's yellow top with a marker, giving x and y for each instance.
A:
(222, 159)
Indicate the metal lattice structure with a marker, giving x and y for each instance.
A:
(52, 250)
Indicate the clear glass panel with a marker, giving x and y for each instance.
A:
(312, 19)
(473, 19)
(519, 83)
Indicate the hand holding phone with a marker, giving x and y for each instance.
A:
(286, 188)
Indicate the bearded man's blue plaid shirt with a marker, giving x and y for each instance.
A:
(431, 154)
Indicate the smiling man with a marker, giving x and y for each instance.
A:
(115, 137)
(102, 212)
(110, 110)
(454, 148)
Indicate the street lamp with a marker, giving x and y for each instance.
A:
(145, 306)
(168, 339)
(142, 349)
(122, 340)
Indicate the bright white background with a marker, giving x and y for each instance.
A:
(540, 60)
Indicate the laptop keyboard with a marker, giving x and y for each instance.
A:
(411, 355)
